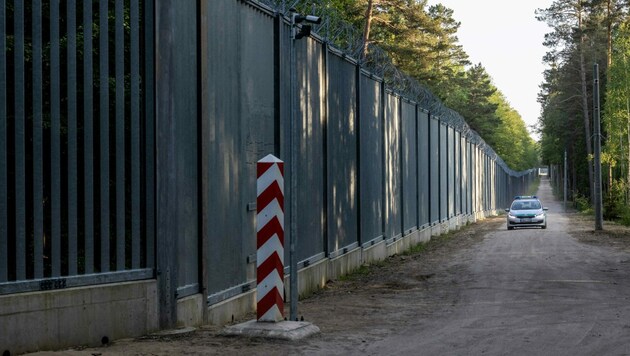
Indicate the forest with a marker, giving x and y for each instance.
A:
(584, 33)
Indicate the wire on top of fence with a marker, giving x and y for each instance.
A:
(346, 38)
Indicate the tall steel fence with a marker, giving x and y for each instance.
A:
(76, 143)
(130, 132)
(376, 160)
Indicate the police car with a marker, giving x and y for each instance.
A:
(526, 211)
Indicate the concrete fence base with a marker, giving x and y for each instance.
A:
(84, 316)
(77, 316)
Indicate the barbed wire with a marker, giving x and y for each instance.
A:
(347, 39)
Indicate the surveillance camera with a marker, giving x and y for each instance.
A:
(313, 19)
(308, 18)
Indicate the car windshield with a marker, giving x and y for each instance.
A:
(526, 205)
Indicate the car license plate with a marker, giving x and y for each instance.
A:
(526, 220)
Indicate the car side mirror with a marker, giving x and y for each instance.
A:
(507, 210)
(545, 209)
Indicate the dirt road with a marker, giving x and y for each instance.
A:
(481, 290)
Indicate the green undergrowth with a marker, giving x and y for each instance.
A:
(368, 268)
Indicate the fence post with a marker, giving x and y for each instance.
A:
(270, 239)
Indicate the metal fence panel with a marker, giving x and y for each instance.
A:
(458, 174)
(4, 218)
(469, 172)
(311, 226)
(238, 102)
(479, 165)
(451, 163)
(71, 70)
(104, 131)
(444, 186)
(371, 160)
(186, 151)
(434, 168)
(424, 153)
(393, 227)
(476, 178)
(88, 134)
(342, 155)
(59, 165)
(409, 161)
(20, 139)
(464, 198)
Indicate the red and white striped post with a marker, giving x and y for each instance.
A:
(270, 239)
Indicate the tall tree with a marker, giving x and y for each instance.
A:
(477, 108)
(511, 139)
(567, 18)
(448, 60)
(617, 108)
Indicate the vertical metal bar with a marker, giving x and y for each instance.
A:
(88, 139)
(38, 151)
(149, 116)
(383, 158)
(564, 181)
(357, 125)
(135, 134)
(104, 132)
(401, 170)
(120, 137)
(20, 155)
(293, 132)
(4, 221)
(71, 27)
(597, 181)
(55, 139)
(167, 190)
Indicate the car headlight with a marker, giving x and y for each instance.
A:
(540, 216)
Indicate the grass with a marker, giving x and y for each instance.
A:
(533, 188)
(415, 249)
(362, 271)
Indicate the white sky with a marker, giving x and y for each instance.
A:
(506, 38)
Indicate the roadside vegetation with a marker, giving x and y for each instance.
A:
(584, 33)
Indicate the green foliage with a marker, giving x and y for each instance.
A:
(533, 188)
(415, 249)
(616, 120)
(512, 140)
(580, 33)
(476, 107)
(615, 206)
(422, 41)
(581, 203)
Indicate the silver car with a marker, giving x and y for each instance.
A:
(526, 211)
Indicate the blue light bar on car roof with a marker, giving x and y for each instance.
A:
(525, 197)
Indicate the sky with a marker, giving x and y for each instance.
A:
(505, 37)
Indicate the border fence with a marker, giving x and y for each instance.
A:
(130, 132)
(77, 137)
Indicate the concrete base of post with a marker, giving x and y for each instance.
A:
(285, 330)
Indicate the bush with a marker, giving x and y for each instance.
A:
(581, 203)
(615, 207)
(625, 217)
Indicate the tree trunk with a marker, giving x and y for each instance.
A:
(628, 163)
(366, 30)
(587, 120)
(609, 22)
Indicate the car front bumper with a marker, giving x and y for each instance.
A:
(526, 221)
